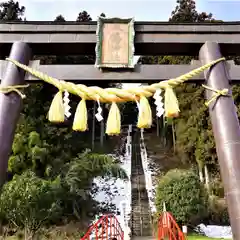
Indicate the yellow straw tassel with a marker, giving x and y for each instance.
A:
(80, 118)
(145, 114)
(56, 110)
(171, 105)
(114, 121)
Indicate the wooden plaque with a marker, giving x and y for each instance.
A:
(115, 43)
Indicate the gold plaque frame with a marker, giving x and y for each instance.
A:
(115, 43)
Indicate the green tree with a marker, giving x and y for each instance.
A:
(88, 166)
(185, 197)
(59, 18)
(102, 15)
(29, 152)
(34, 201)
(30, 202)
(84, 17)
(186, 11)
(11, 11)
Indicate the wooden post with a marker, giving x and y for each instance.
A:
(226, 132)
(101, 133)
(11, 104)
(93, 125)
(157, 121)
(185, 231)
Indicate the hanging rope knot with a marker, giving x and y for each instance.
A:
(60, 85)
(165, 84)
(15, 89)
(136, 101)
(218, 93)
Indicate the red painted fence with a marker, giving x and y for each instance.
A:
(168, 228)
(106, 228)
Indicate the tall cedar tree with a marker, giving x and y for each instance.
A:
(194, 138)
(60, 18)
(83, 17)
(11, 11)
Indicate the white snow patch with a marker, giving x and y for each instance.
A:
(215, 231)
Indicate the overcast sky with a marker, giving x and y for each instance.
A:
(141, 10)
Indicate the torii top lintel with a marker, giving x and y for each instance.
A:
(151, 38)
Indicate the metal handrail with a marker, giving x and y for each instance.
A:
(115, 228)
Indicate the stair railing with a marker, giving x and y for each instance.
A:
(106, 228)
(168, 228)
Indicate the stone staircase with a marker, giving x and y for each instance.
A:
(141, 216)
(143, 238)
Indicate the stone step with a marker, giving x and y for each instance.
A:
(140, 217)
(143, 238)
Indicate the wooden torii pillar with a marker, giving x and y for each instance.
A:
(226, 130)
(11, 104)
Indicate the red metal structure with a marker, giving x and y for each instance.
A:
(106, 228)
(168, 228)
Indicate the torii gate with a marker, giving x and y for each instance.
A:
(152, 38)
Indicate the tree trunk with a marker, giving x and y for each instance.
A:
(206, 178)
(200, 172)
